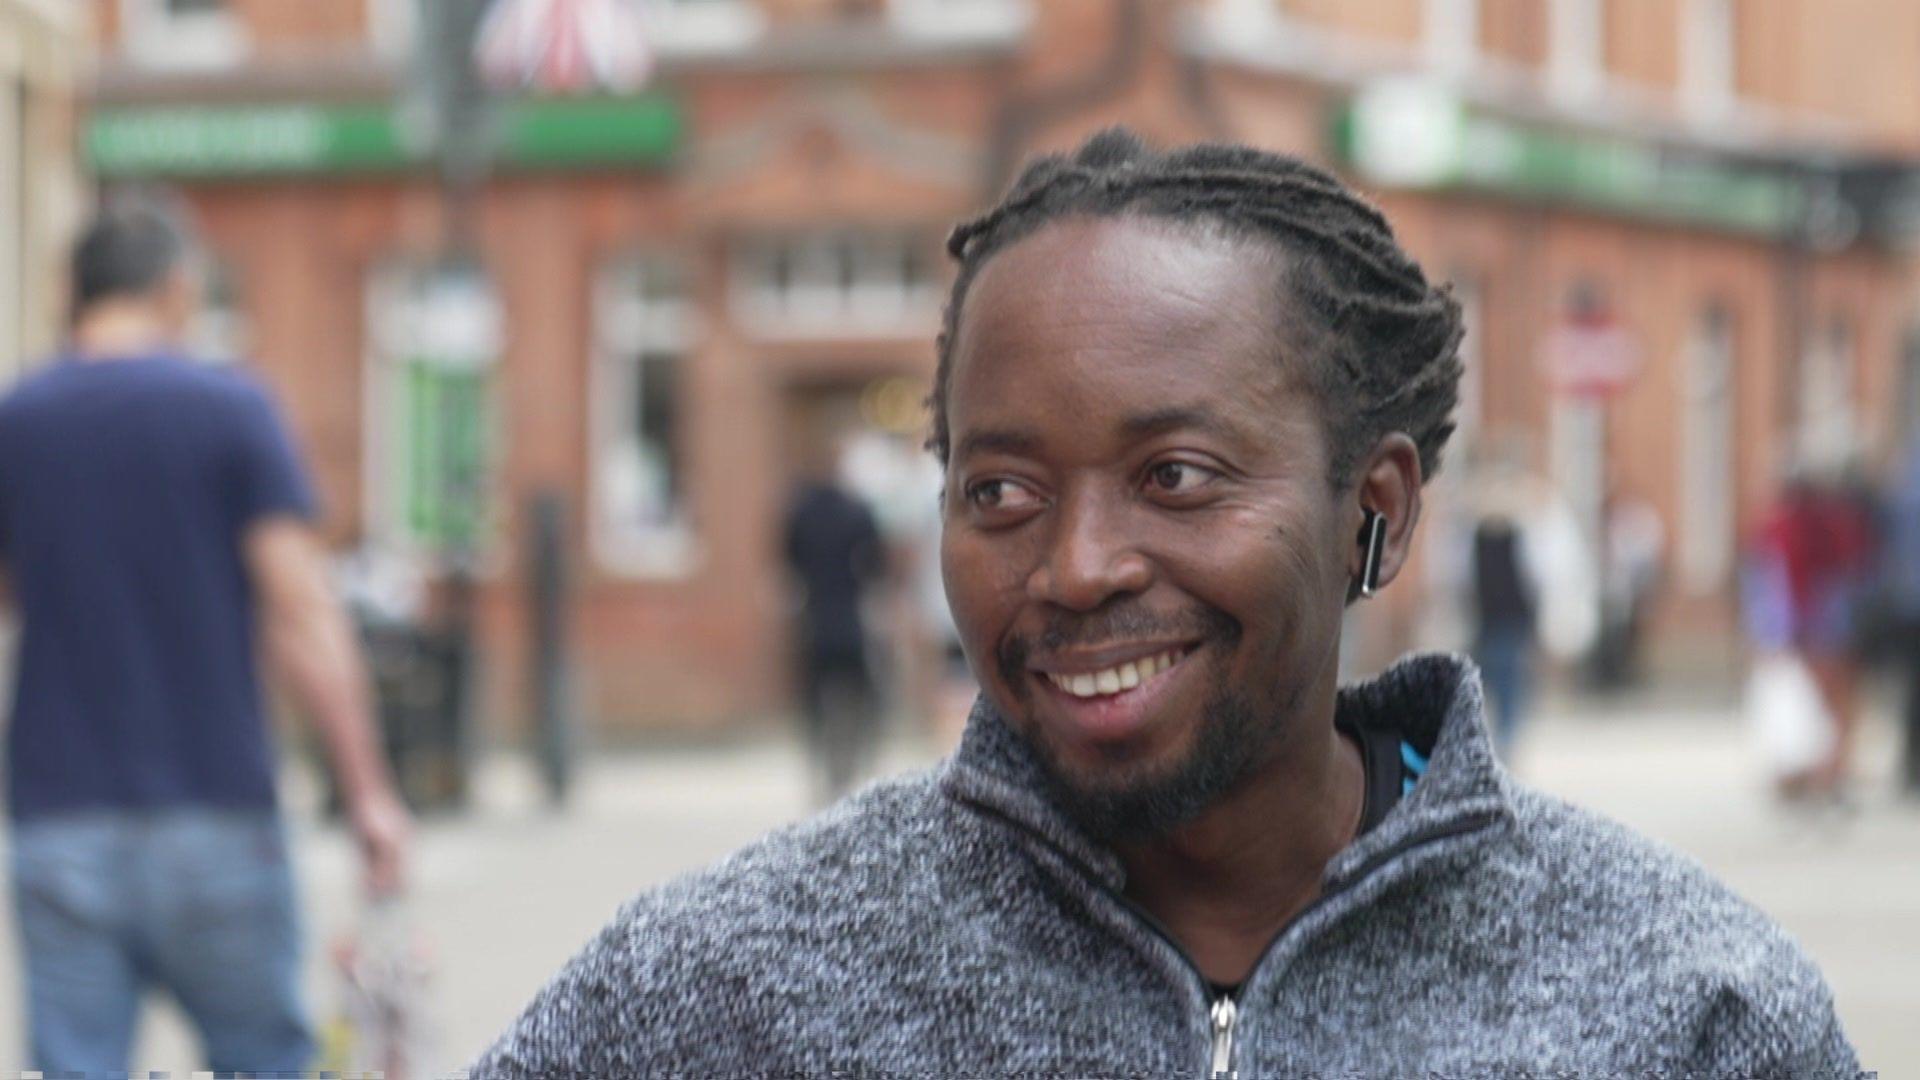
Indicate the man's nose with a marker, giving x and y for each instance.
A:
(1089, 557)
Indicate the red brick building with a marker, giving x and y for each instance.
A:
(40, 49)
(687, 273)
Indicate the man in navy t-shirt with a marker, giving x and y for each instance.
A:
(155, 526)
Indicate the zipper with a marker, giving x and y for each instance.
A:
(1225, 1013)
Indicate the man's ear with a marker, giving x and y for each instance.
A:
(1389, 485)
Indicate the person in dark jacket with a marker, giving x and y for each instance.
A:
(834, 553)
(1504, 617)
(1186, 402)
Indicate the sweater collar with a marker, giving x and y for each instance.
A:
(1433, 700)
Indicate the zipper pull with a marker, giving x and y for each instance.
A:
(1224, 1016)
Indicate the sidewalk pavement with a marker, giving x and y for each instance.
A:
(509, 891)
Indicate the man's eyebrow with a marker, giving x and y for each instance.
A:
(1177, 418)
(996, 440)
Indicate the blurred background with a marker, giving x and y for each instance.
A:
(565, 299)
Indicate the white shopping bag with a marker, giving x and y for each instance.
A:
(1788, 717)
(380, 1025)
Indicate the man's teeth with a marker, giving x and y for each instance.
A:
(1115, 679)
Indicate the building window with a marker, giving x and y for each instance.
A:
(644, 332)
(181, 34)
(1576, 42)
(1252, 18)
(961, 18)
(391, 26)
(220, 332)
(1452, 35)
(1707, 480)
(1829, 421)
(1708, 72)
(432, 418)
(703, 25)
(836, 284)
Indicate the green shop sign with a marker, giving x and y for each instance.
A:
(1412, 134)
(216, 141)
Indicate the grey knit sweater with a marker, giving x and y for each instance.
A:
(955, 924)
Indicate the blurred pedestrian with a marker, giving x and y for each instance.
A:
(1900, 562)
(155, 521)
(1633, 546)
(1527, 583)
(1506, 610)
(835, 552)
(1812, 558)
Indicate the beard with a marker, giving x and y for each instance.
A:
(1142, 802)
(1149, 802)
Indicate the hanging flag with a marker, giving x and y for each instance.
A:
(564, 46)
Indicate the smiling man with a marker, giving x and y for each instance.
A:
(1186, 404)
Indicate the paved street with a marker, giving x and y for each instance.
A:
(507, 893)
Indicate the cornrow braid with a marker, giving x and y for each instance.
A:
(1382, 344)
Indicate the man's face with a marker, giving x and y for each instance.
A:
(1143, 555)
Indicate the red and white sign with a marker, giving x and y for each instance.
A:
(564, 46)
(1590, 355)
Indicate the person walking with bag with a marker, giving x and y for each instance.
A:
(1811, 554)
(155, 527)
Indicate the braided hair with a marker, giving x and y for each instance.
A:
(1381, 343)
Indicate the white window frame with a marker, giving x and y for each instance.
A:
(1244, 20)
(156, 38)
(961, 19)
(1708, 470)
(392, 26)
(1709, 66)
(703, 26)
(628, 326)
(1576, 49)
(1451, 31)
(818, 301)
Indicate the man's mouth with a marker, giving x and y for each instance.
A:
(1117, 678)
(1113, 695)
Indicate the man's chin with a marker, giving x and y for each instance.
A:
(1111, 813)
(1140, 798)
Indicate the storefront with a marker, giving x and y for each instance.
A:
(658, 310)
(680, 279)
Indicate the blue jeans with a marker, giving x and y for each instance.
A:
(199, 903)
(1505, 656)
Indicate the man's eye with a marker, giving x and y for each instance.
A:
(1178, 477)
(1000, 493)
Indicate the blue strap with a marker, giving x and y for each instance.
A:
(1416, 766)
(1415, 762)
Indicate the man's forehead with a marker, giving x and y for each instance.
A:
(1118, 328)
(1149, 278)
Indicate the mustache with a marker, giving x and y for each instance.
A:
(1124, 622)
